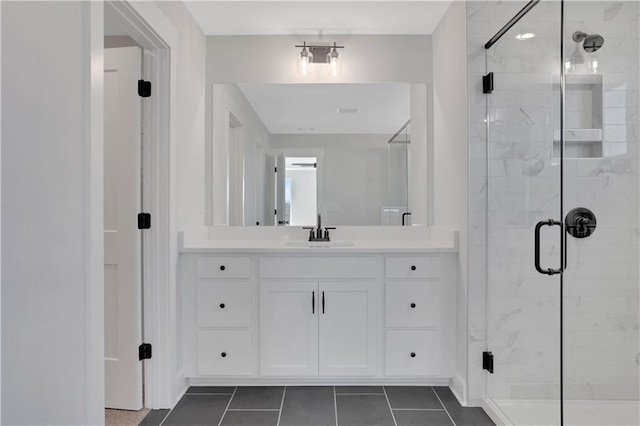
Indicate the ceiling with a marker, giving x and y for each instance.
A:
(317, 17)
(299, 108)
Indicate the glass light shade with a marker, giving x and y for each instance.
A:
(304, 62)
(334, 63)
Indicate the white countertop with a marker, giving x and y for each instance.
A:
(291, 241)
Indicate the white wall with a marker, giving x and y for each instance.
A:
(49, 336)
(52, 328)
(354, 175)
(450, 151)
(190, 92)
(228, 99)
(272, 59)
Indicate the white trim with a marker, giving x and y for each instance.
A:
(316, 381)
(455, 382)
(93, 19)
(495, 413)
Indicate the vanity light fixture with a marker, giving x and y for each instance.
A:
(525, 36)
(320, 54)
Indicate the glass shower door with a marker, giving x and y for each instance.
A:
(601, 346)
(523, 247)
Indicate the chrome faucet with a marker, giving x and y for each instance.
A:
(317, 234)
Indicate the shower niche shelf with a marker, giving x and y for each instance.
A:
(583, 117)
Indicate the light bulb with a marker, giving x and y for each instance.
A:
(333, 66)
(304, 65)
(333, 62)
(304, 61)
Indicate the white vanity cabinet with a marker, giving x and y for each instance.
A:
(318, 328)
(318, 316)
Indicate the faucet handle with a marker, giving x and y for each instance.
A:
(312, 235)
(326, 232)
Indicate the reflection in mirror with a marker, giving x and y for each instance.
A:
(297, 150)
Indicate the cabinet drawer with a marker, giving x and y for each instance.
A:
(411, 304)
(413, 353)
(224, 353)
(413, 267)
(223, 267)
(318, 267)
(224, 304)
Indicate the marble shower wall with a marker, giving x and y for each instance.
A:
(515, 178)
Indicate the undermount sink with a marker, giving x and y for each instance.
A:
(314, 244)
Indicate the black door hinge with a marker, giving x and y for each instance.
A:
(275, 212)
(144, 88)
(144, 221)
(144, 351)
(487, 361)
(275, 169)
(487, 83)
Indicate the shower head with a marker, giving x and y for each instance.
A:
(590, 42)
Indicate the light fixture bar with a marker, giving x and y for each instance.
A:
(319, 52)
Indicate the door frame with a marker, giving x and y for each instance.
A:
(149, 27)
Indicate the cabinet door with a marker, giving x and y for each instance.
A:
(348, 329)
(289, 329)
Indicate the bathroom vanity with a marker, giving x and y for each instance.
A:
(374, 306)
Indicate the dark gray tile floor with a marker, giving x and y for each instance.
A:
(319, 406)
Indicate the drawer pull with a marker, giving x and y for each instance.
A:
(413, 354)
(413, 267)
(223, 354)
(413, 305)
(222, 305)
(222, 267)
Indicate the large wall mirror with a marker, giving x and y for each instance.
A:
(283, 153)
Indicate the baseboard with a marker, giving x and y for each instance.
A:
(459, 389)
(495, 413)
(306, 381)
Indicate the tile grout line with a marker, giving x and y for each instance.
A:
(284, 392)
(419, 409)
(167, 416)
(227, 407)
(443, 406)
(335, 403)
(253, 409)
(389, 404)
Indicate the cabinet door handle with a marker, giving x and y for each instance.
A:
(323, 302)
(413, 267)
(413, 305)
(223, 354)
(222, 305)
(222, 267)
(313, 303)
(413, 354)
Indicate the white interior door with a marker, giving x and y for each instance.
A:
(122, 262)
(281, 217)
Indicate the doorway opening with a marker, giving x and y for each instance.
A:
(137, 179)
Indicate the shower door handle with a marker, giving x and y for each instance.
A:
(539, 225)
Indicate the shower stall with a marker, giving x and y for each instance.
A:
(555, 219)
